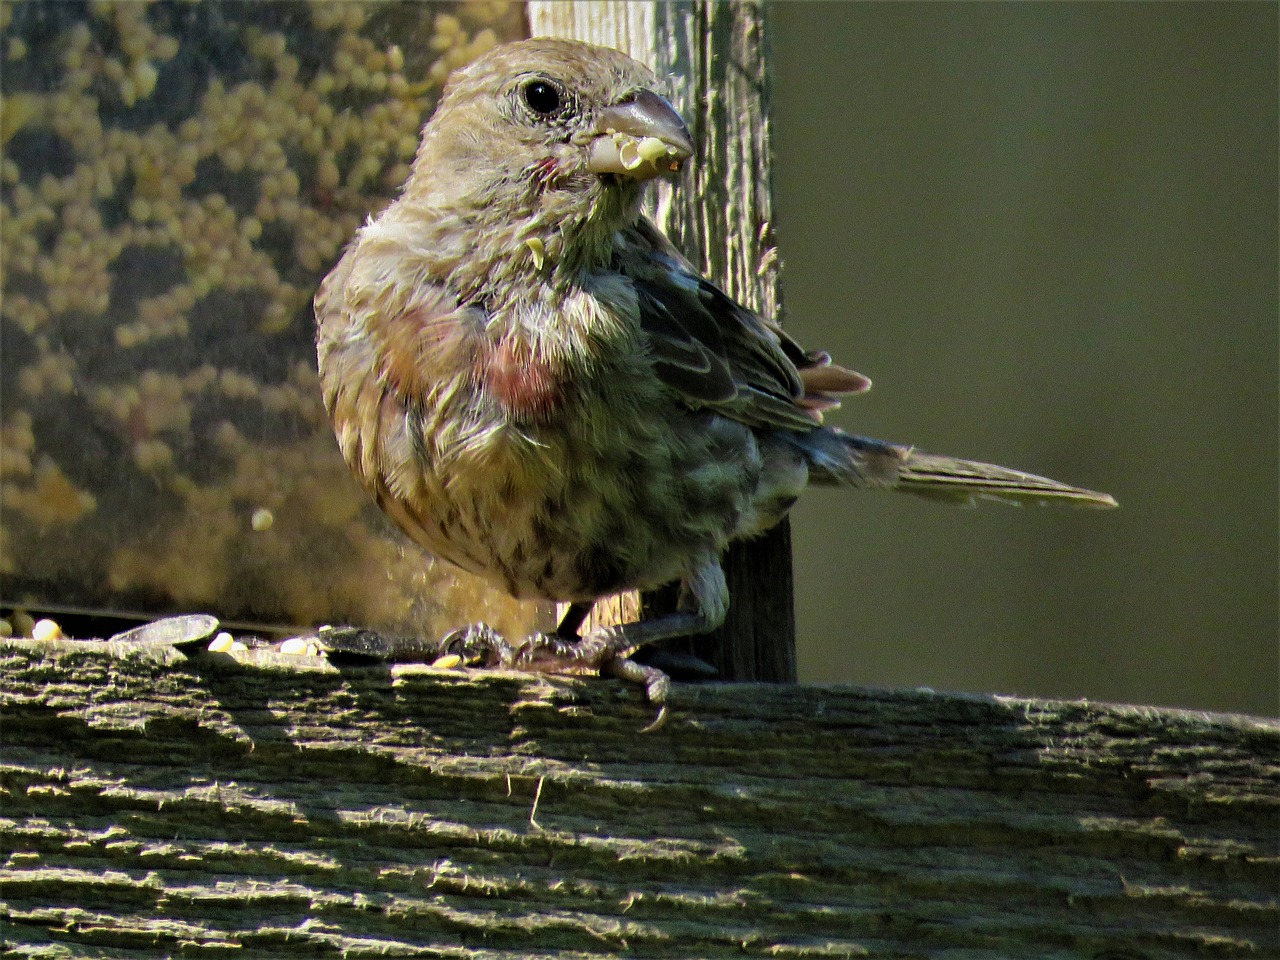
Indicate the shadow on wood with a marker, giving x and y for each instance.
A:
(156, 805)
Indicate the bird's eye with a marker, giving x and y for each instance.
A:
(542, 97)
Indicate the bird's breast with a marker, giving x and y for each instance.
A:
(525, 385)
(554, 461)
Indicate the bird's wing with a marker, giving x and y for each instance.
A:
(716, 353)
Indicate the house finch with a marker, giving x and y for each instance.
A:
(536, 386)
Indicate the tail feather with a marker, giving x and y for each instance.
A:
(963, 481)
(838, 458)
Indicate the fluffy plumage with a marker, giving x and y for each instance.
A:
(537, 387)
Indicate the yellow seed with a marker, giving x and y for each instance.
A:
(276, 317)
(628, 151)
(538, 250)
(300, 647)
(448, 662)
(327, 174)
(262, 519)
(46, 630)
(221, 643)
(144, 78)
(19, 108)
(651, 148)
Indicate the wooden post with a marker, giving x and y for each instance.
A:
(159, 805)
(720, 216)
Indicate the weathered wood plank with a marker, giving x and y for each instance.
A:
(157, 805)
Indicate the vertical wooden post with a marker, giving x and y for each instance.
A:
(720, 216)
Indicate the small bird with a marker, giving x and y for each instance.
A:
(536, 386)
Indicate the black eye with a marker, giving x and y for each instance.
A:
(542, 97)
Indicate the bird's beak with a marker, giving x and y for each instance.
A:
(642, 137)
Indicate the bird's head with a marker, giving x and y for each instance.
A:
(549, 123)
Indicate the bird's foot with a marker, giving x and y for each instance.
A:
(480, 645)
(555, 653)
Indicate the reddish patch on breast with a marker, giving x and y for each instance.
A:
(420, 346)
(528, 387)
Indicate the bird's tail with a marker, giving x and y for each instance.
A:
(838, 458)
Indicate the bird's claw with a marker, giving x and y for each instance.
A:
(479, 645)
(656, 685)
(554, 653)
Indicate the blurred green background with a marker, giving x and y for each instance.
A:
(1048, 233)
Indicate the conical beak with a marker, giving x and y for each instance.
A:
(642, 137)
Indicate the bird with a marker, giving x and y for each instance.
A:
(536, 386)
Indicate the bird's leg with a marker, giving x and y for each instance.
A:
(572, 620)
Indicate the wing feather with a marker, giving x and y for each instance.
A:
(716, 353)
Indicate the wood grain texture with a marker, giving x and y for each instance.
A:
(161, 805)
(713, 56)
